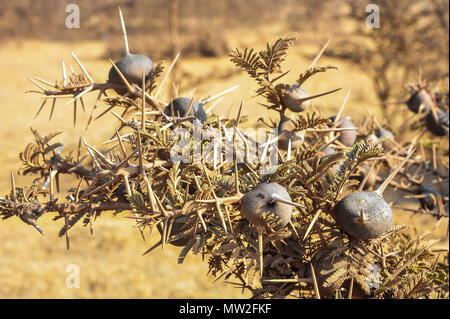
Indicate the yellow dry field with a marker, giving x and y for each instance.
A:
(111, 262)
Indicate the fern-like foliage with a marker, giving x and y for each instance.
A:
(272, 57)
(311, 71)
(154, 74)
(260, 65)
(413, 286)
(249, 61)
(137, 202)
(72, 221)
(119, 101)
(311, 120)
(361, 151)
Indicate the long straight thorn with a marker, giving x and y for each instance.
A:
(50, 177)
(212, 106)
(38, 85)
(316, 286)
(288, 155)
(383, 186)
(189, 107)
(13, 187)
(341, 108)
(45, 82)
(64, 73)
(102, 157)
(238, 117)
(94, 108)
(83, 68)
(275, 198)
(94, 159)
(317, 95)
(66, 226)
(52, 109)
(219, 94)
(78, 96)
(40, 108)
(124, 32)
(364, 181)
(260, 250)
(125, 81)
(121, 119)
(143, 103)
(74, 113)
(319, 54)
(166, 75)
(122, 146)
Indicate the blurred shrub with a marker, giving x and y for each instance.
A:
(201, 23)
(413, 35)
(412, 39)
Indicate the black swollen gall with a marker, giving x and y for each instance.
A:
(387, 138)
(366, 215)
(438, 123)
(286, 132)
(132, 66)
(178, 226)
(264, 200)
(420, 101)
(428, 197)
(181, 105)
(347, 137)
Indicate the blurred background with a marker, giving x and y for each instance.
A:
(376, 63)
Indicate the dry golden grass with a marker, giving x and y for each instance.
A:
(111, 265)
